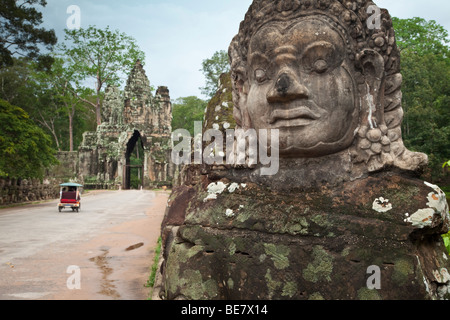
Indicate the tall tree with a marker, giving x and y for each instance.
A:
(57, 97)
(20, 34)
(425, 63)
(212, 68)
(102, 55)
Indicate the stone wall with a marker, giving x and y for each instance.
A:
(67, 169)
(14, 191)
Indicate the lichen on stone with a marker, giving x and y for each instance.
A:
(368, 294)
(279, 255)
(403, 269)
(321, 268)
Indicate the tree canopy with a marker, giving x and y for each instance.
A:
(212, 68)
(99, 54)
(421, 36)
(186, 111)
(20, 34)
(24, 147)
(425, 65)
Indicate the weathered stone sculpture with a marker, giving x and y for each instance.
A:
(344, 217)
(327, 78)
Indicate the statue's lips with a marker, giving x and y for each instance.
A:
(302, 116)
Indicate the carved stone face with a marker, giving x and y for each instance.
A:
(300, 81)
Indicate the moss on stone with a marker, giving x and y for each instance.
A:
(316, 296)
(272, 285)
(368, 294)
(279, 255)
(232, 248)
(321, 220)
(230, 283)
(289, 289)
(194, 288)
(345, 252)
(321, 267)
(220, 107)
(402, 270)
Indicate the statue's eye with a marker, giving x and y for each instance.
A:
(320, 66)
(260, 75)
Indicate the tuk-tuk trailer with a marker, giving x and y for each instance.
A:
(70, 196)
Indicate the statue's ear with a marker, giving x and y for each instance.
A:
(372, 66)
(241, 88)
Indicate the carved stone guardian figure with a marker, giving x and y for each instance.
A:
(345, 215)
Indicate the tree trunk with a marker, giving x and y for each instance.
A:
(97, 107)
(97, 110)
(71, 116)
(56, 140)
(70, 133)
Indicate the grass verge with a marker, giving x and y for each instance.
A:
(151, 280)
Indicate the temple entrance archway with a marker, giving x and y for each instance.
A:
(133, 175)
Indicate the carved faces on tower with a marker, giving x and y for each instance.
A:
(300, 81)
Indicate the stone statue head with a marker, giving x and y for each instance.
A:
(326, 74)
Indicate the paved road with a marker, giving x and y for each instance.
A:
(102, 252)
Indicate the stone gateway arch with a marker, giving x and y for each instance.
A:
(133, 139)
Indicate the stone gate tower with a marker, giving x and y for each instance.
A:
(132, 119)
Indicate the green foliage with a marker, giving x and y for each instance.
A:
(425, 64)
(24, 147)
(446, 238)
(186, 111)
(99, 54)
(212, 68)
(57, 99)
(154, 268)
(421, 36)
(47, 100)
(20, 35)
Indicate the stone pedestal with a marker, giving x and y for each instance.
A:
(374, 238)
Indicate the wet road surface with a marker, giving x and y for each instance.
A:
(103, 252)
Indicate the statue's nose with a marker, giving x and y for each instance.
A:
(283, 84)
(287, 88)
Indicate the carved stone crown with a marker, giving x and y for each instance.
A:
(351, 18)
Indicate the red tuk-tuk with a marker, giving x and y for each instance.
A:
(70, 196)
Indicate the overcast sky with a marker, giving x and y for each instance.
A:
(177, 35)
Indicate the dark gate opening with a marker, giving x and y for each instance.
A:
(133, 177)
